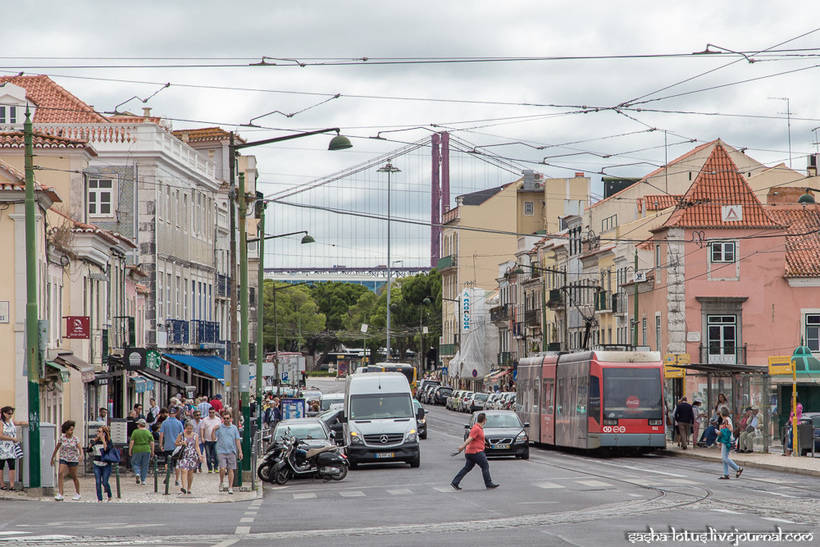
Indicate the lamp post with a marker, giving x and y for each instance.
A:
(240, 373)
(425, 302)
(389, 169)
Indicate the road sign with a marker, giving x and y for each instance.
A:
(673, 372)
(780, 364)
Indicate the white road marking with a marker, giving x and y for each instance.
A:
(535, 502)
(633, 495)
(782, 495)
(245, 520)
(13, 533)
(305, 496)
(31, 539)
(118, 526)
(775, 519)
(400, 492)
(352, 494)
(444, 489)
(226, 543)
(548, 485)
(593, 482)
(727, 511)
(641, 469)
(242, 530)
(773, 481)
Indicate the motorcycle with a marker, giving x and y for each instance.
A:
(293, 459)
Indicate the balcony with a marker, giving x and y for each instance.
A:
(178, 332)
(446, 262)
(505, 359)
(451, 215)
(556, 299)
(122, 333)
(500, 314)
(447, 350)
(223, 286)
(717, 354)
(603, 302)
(531, 317)
(615, 298)
(204, 332)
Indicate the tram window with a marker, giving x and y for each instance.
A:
(595, 398)
(546, 407)
(581, 401)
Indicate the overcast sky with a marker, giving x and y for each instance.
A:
(313, 31)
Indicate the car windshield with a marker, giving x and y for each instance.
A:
(380, 406)
(310, 430)
(502, 420)
(325, 416)
(632, 393)
(815, 420)
(327, 401)
(481, 397)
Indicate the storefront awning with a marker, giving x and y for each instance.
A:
(162, 378)
(64, 374)
(71, 360)
(500, 374)
(211, 365)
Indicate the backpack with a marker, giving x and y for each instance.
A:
(150, 417)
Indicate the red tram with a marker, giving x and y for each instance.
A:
(593, 399)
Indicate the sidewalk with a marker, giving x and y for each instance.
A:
(205, 490)
(805, 465)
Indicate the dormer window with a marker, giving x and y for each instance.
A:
(8, 114)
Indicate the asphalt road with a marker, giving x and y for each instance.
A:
(555, 498)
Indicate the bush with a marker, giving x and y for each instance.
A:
(321, 373)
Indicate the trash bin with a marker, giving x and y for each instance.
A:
(48, 440)
(805, 438)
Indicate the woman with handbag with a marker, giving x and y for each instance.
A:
(10, 450)
(190, 457)
(100, 447)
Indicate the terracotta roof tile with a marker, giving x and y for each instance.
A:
(205, 134)
(18, 184)
(15, 139)
(54, 103)
(659, 202)
(802, 248)
(85, 228)
(719, 183)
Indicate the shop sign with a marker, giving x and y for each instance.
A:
(77, 327)
(152, 359)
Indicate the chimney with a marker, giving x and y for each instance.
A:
(811, 168)
(529, 179)
(146, 111)
(579, 174)
(784, 195)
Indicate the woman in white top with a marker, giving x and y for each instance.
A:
(8, 439)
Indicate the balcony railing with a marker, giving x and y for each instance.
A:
(505, 358)
(446, 262)
(717, 354)
(556, 299)
(603, 301)
(531, 317)
(204, 332)
(451, 215)
(447, 349)
(178, 332)
(500, 313)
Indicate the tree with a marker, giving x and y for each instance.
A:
(335, 300)
(298, 319)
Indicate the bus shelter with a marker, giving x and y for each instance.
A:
(743, 385)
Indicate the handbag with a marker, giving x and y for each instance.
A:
(18, 451)
(112, 455)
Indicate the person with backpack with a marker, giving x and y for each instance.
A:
(725, 440)
(99, 446)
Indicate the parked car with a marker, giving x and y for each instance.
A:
(427, 392)
(420, 422)
(332, 398)
(477, 402)
(490, 402)
(466, 401)
(504, 434)
(311, 431)
(441, 394)
(332, 419)
(453, 398)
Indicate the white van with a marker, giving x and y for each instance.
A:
(379, 421)
(331, 398)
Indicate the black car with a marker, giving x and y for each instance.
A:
(440, 395)
(421, 423)
(504, 434)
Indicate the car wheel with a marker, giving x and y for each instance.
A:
(353, 465)
(415, 462)
(526, 455)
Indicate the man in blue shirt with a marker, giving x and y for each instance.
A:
(170, 429)
(228, 449)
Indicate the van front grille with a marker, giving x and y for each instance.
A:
(384, 438)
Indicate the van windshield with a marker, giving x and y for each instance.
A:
(381, 406)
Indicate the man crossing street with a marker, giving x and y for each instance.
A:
(474, 454)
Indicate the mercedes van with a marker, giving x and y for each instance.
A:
(379, 419)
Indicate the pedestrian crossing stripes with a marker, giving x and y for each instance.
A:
(352, 494)
(22, 537)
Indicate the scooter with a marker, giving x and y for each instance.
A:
(293, 459)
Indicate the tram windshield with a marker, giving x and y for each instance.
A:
(632, 393)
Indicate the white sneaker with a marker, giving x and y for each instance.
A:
(230, 490)
(76, 497)
(58, 497)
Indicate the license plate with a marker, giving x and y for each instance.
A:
(385, 455)
(501, 446)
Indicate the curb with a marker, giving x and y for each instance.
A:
(24, 495)
(746, 463)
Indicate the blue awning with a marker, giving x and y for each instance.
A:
(211, 365)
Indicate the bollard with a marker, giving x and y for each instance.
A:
(156, 476)
(117, 474)
(167, 476)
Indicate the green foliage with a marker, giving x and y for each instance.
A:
(298, 319)
(335, 300)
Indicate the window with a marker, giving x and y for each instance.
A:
(100, 197)
(813, 331)
(609, 223)
(658, 255)
(529, 208)
(722, 251)
(722, 339)
(168, 311)
(595, 398)
(11, 111)
(643, 331)
(658, 332)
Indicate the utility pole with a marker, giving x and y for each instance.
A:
(260, 302)
(233, 285)
(32, 329)
(635, 304)
(389, 169)
(244, 367)
(543, 309)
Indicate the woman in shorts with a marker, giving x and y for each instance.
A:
(68, 447)
(8, 440)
